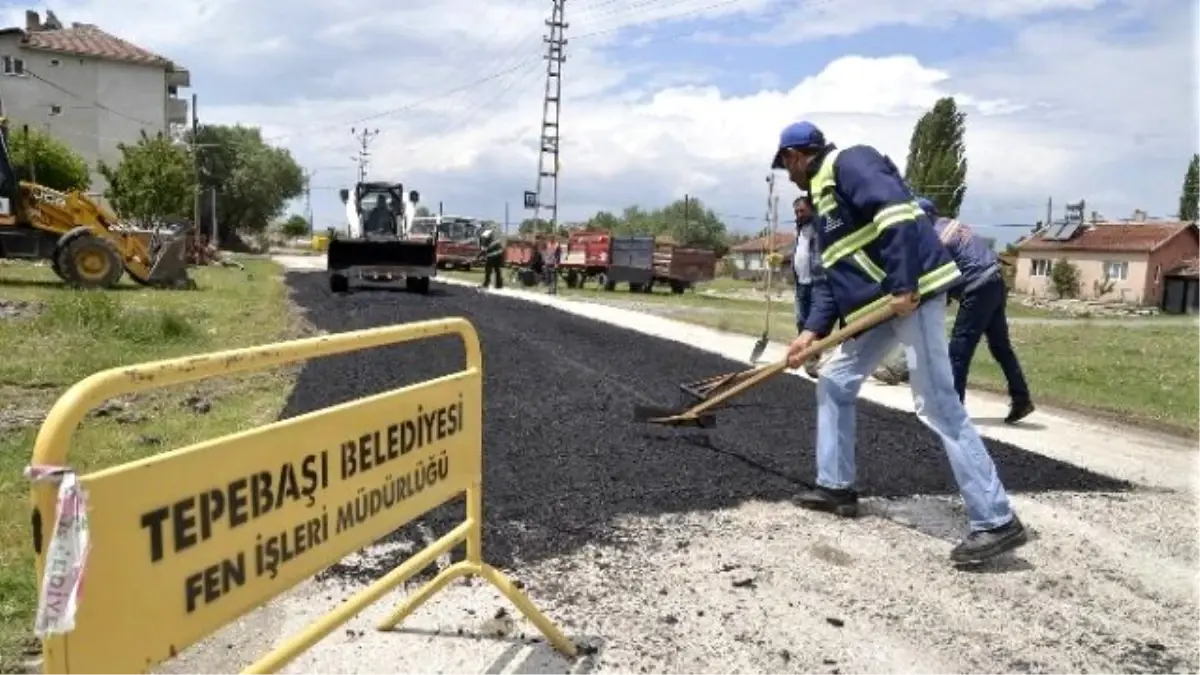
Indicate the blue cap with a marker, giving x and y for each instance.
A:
(928, 207)
(802, 135)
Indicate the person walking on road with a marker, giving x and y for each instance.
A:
(493, 258)
(877, 249)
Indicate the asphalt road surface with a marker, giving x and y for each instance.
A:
(563, 459)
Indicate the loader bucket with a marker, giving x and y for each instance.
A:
(169, 268)
(346, 253)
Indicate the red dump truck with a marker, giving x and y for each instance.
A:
(635, 260)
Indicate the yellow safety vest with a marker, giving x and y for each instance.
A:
(852, 245)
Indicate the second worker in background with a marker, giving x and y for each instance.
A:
(492, 251)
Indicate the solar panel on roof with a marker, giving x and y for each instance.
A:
(1069, 231)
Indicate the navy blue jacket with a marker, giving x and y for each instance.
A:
(875, 241)
(975, 259)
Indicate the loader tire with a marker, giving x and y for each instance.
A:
(88, 261)
(418, 285)
(339, 283)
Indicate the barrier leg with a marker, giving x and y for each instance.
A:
(424, 593)
(553, 635)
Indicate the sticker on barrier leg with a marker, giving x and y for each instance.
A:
(66, 555)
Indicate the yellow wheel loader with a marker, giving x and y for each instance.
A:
(84, 242)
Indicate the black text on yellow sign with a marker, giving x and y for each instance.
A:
(191, 521)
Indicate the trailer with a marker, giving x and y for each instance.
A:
(457, 239)
(639, 261)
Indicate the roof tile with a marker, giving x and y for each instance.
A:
(88, 40)
(1123, 237)
(782, 240)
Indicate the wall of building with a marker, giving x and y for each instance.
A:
(1183, 247)
(102, 102)
(1091, 265)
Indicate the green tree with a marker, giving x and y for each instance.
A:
(937, 161)
(603, 221)
(153, 181)
(253, 180)
(40, 158)
(423, 212)
(1189, 198)
(1064, 278)
(295, 226)
(534, 226)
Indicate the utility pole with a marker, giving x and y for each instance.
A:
(195, 150)
(1049, 210)
(308, 212)
(506, 220)
(687, 200)
(363, 158)
(551, 110)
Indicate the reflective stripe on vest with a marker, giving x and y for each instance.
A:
(824, 183)
(928, 283)
(495, 248)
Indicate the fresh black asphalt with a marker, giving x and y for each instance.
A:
(563, 459)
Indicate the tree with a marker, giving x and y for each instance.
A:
(153, 181)
(43, 159)
(534, 226)
(295, 226)
(1189, 199)
(423, 212)
(253, 180)
(937, 162)
(1064, 278)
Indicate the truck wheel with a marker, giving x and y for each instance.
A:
(339, 283)
(649, 287)
(678, 287)
(573, 279)
(88, 261)
(635, 288)
(417, 285)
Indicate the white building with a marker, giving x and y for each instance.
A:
(89, 89)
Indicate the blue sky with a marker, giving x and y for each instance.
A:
(1068, 99)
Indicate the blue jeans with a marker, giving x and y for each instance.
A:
(937, 406)
(803, 304)
(981, 314)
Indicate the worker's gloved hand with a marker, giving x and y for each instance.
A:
(795, 355)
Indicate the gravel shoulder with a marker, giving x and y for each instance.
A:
(674, 552)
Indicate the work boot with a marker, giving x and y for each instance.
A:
(987, 544)
(1018, 412)
(843, 502)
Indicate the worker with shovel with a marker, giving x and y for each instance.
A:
(492, 252)
(879, 250)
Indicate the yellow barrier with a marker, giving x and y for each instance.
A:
(320, 243)
(185, 542)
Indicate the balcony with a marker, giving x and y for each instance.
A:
(177, 111)
(180, 77)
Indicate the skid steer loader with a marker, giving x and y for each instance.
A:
(84, 242)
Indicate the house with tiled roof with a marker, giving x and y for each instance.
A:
(87, 87)
(749, 258)
(1127, 261)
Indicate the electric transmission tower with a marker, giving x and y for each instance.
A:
(551, 109)
(363, 158)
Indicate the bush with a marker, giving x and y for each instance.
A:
(1064, 277)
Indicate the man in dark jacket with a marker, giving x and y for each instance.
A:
(878, 248)
(493, 257)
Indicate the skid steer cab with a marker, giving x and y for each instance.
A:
(380, 245)
(85, 243)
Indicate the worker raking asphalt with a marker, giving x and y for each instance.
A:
(563, 460)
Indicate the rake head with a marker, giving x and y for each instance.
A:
(703, 389)
(672, 417)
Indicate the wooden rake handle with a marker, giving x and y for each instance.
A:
(762, 373)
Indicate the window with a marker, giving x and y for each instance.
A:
(55, 110)
(14, 66)
(1039, 267)
(1116, 271)
(55, 63)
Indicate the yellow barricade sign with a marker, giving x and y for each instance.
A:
(178, 545)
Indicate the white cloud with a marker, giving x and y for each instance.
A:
(1070, 109)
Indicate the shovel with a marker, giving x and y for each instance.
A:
(761, 345)
(699, 416)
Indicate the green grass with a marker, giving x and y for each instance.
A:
(73, 334)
